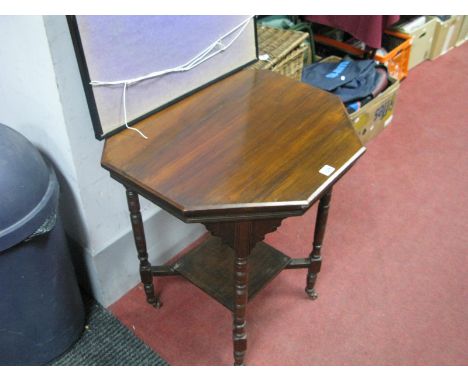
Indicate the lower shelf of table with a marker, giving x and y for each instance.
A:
(210, 267)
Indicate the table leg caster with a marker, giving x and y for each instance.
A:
(151, 298)
(157, 305)
(312, 293)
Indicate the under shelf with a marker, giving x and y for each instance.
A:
(210, 267)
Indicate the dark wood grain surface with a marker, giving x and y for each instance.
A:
(249, 145)
(210, 267)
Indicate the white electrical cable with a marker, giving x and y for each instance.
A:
(212, 50)
(125, 113)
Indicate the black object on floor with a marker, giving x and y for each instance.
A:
(106, 342)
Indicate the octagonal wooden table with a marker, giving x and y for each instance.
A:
(238, 156)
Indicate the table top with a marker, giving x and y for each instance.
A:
(255, 144)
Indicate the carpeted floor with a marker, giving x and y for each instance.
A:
(393, 287)
(106, 342)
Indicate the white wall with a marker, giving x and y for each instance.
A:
(42, 97)
(29, 99)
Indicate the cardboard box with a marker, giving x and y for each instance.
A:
(377, 114)
(445, 36)
(423, 37)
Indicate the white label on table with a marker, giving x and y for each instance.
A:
(327, 170)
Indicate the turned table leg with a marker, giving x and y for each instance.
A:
(315, 258)
(243, 233)
(140, 243)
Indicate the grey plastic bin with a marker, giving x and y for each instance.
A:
(41, 311)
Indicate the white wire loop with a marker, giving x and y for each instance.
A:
(212, 50)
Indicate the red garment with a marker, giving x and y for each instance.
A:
(368, 29)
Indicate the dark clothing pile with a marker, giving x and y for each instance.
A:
(356, 82)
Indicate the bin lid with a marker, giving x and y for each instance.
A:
(28, 188)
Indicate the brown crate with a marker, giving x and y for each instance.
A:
(285, 48)
(377, 114)
(445, 36)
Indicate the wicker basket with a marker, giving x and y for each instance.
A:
(285, 48)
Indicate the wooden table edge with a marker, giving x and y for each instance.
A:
(234, 212)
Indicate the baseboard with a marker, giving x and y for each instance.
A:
(112, 272)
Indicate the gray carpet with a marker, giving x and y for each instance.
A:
(106, 342)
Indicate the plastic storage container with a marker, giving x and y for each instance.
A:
(422, 35)
(463, 34)
(396, 60)
(41, 312)
(445, 36)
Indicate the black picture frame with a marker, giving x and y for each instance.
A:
(85, 78)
